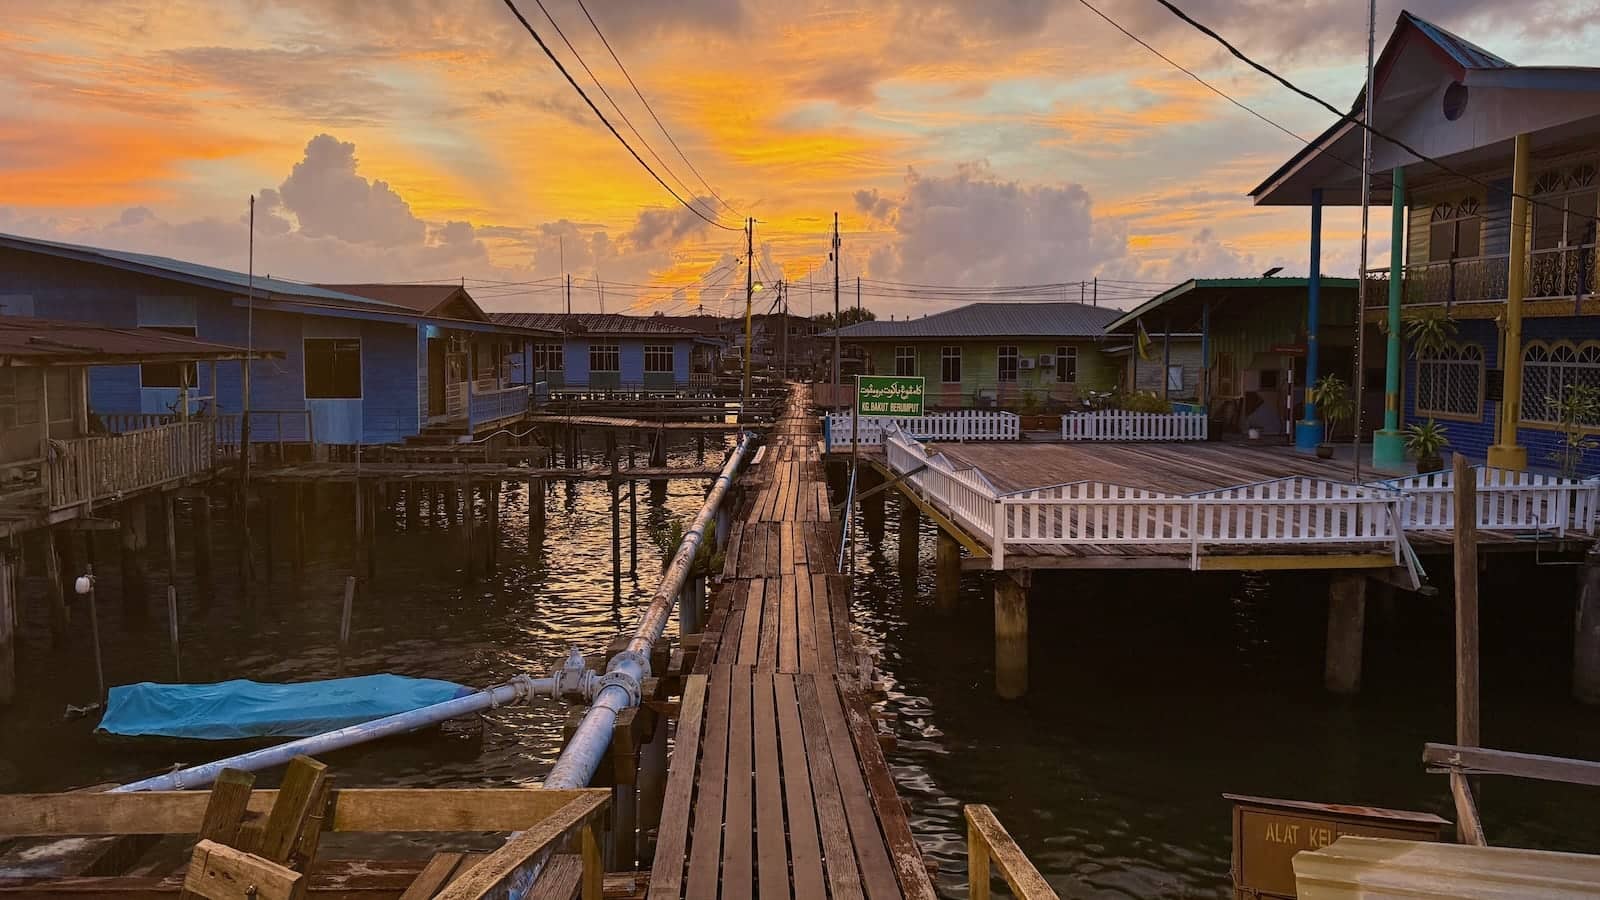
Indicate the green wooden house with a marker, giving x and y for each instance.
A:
(1022, 355)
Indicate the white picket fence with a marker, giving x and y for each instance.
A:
(1298, 511)
(960, 425)
(1124, 425)
(1507, 501)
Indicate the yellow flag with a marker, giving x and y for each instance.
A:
(1142, 339)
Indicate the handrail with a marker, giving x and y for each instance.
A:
(847, 530)
(990, 845)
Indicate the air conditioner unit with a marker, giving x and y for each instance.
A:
(1024, 363)
(1046, 360)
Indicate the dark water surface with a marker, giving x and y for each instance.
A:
(1150, 695)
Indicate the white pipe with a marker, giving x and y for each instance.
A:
(619, 688)
(518, 690)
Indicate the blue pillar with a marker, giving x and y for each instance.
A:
(1308, 431)
(1388, 443)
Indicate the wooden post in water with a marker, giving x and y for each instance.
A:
(200, 516)
(536, 511)
(910, 538)
(947, 572)
(1011, 633)
(267, 493)
(55, 587)
(1347, 622)
(134, 541)
(633, 518)
(168, 503)
(1466, 577)
(1586, 632)
(8, 634)
(94, 634)
(297, 536)
(466, 522)
(871, 507)
(492, 515)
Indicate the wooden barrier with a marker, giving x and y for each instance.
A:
(961, 425)
(990, 846)
(1125, 425)
(102, 466)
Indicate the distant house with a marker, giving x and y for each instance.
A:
(608, 350)
(994, 354)
(366, 364)
(1516, 306)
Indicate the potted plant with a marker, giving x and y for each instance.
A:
(1425, 440)
(1335, 406)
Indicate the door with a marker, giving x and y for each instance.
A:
(435, 377)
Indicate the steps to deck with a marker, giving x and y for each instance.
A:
(778, 786)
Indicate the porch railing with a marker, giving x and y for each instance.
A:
(1552, 274)
(1125, 425)
(497, 405)
(105, 466)
(1507, 501)
(963, 425)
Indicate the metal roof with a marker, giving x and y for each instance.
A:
(1196, 288)
(1463, 51)
(27, 341)
(422, 298)
(592, 323)
(992, 319)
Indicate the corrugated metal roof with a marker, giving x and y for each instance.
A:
(996, 319)
(1463, 51)
(591, 323)
(1202, 285)
(27, 341)
(186, 271)
(422, 298)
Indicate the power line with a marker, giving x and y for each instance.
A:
(651, 110)
(511, 5)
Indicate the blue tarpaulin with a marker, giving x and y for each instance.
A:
(241, 709)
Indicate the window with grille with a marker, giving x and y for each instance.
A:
(905, 360)
(1067, 365)
(1455, 231)
(1549, 371)
(950, 365)
(333, 368)
(1006, 364)
(548, 358)
(604, 358)
(657, 358)
(1450, 382)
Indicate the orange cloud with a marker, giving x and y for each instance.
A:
(72, 164)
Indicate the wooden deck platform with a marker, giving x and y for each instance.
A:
(640, 424)
(778, 786)
(475, 472)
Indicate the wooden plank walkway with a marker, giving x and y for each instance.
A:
(778, 786)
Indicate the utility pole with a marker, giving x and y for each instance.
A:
(749, 298)
(1097, 290)
(783, 297)
(569, 295)
(858, 298)
(834, 258)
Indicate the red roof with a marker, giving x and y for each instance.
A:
(26, 341)
(423, 298)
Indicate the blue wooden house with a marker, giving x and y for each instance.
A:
(1495, 253)
(361, 364)
(612, 351)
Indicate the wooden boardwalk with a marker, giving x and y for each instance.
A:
(778, 786)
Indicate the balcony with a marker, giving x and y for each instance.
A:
(1554, 274)
(105, 467)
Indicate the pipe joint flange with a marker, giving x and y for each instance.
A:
(633, 656)
(622, 680)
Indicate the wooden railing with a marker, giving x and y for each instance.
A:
(498, 404)
(990, 847)
(106, 466)
(267, 426)
(1125, 425)
(1507, 501)
(1294, 511)
(963, 425)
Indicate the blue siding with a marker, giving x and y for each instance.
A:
(632, 353)
(575, 351)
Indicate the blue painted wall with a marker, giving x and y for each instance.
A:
(388, 410)
(631, 364)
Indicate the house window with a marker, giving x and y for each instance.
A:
(1067, 365)
(1566, 206)
(1174, 378)
(950, 365)
(1006, 364)
(1550, 371)
(657, 358)
(1227, 375)
(905, 360)
(1455, 231)
(548, 357)
(333, 368)
(604, 358)
(169, 375)
(1450, 382)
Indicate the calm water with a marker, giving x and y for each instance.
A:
(1150, 695)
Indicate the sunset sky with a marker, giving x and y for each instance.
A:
(967, 142)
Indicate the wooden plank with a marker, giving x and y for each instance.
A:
(560, 878)
(771, 595)
(302, 785)
(788, 658)
(737, 862)
(363, 879)
(771, 849)
(1469, 828)
(225, 809)
(705, 847)
(594, 867)
(433, 877)
(805, 851)
(985, 831)
(509, 871)
(219, 872)
(844, 882)
(666, 875)
(750, 623)
(1466, 605)
(904, 853)
(877, 874)
(1481, 761)
(827, 656)
(805, 617)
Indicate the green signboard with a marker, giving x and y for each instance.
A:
(889, 395)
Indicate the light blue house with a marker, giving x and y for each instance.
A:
(362, 364)
(601, 350)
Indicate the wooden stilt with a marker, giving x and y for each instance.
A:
(910, 538)
(1586, 632)
(200, 516)
(947, 572)
(298, 531)
(168, 507)
(1347, 617)
(467, 567)
(8, 635)
(268, 533)
(1466, 578)
(492, 541)
(1011, 633)
(55, 586)
(871, 507)
(413, 506)
(135, 585)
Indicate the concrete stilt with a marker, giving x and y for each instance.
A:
(1347, 619)
(910, 536)
(1586, 633)
(1011, 633)
(947, 572)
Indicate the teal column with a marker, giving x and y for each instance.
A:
(1308, 431)
(1388, 445)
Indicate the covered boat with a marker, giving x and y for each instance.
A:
(251, 710)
